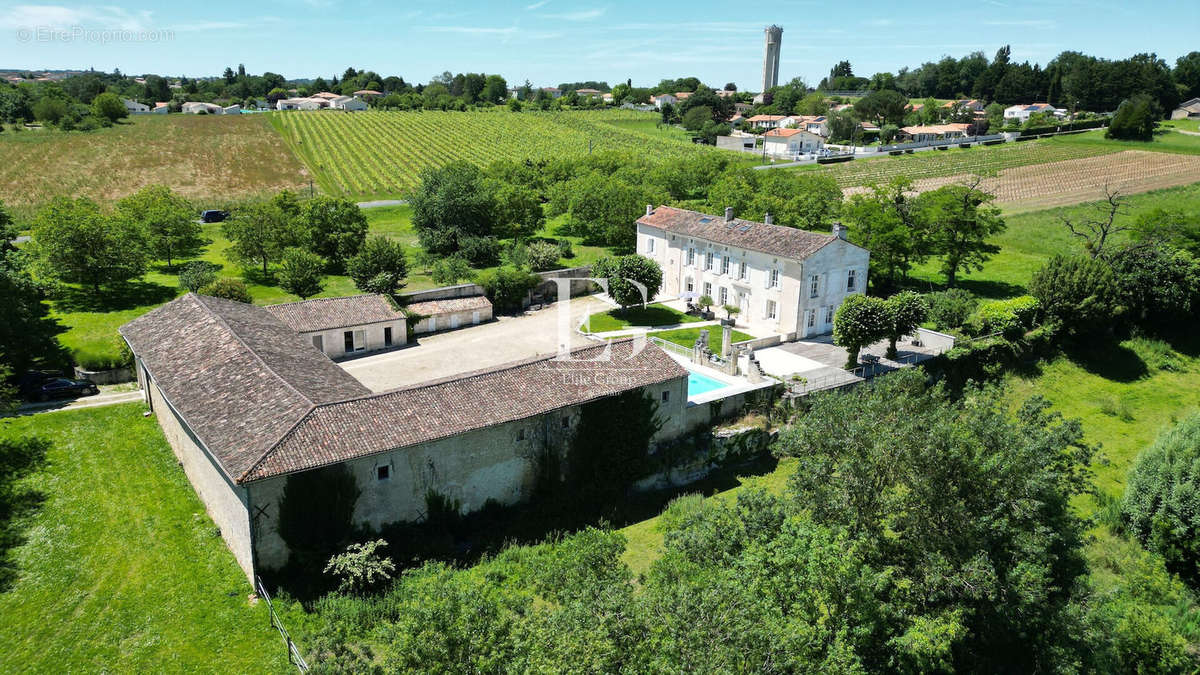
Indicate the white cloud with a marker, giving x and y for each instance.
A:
(60, 17)
(1023, 23)
(581, 15)
(537, 5)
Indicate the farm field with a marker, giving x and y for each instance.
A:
(1071, 181)
(122, 570)
(380, 154)
(214, 159)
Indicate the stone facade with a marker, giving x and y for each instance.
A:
(365, 338)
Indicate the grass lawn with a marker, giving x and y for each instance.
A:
(687, 337)
(1186, 125)
(122, 570)
(651, 315)
(1033, 237)
(1166, 140)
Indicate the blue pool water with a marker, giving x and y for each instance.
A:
(701, 384)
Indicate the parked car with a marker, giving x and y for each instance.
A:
(62, 387)
(214, 216)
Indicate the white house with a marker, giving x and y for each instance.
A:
(1021, 113)
(345, 326)
(135, 108)
(1189, 109)
(814, 124)
(661, 99)
(788, 142)
(448, 313)
(161, 108)
(932, 132)
(350, 103)
(234, 109)
(197, 107)
(770, 121)
(784, 280)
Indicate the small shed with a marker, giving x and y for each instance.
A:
(343, 326)
(449, 313)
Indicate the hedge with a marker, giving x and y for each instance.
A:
(989, 358)
(1066, 126)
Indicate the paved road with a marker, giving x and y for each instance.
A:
(85, 402)
(382, 202)
(458, 351)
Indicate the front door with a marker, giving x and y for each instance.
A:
(453, 321)
(474, 317)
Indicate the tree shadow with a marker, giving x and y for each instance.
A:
(18, 458)
(114, 298)
(1109, 359)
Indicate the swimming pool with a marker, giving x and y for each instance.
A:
(702, 384)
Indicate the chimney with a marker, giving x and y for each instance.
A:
(729, 214)
(649, 209)
(839, 230)
(769, 219)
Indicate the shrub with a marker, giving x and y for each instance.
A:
(197, 274)
(1135, 119)
(623, 272)
(359, 568)
(507, 286)
(301, 272)
(564, 249)
(449, 271)
(543, 255)
(480, 251)
(1159, 507)
(1079, 292)
(379, 266)
(1010, 317)
(228, 288)
(950, 308)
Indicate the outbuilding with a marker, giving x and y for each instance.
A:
(345, 326)
(448, 314)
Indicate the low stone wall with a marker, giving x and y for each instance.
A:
(114, 376)
(935, 340)
(759, 343)
(698, 415)
(442, 293)
(693, 458)
(547, 290)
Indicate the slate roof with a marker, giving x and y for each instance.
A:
(448, 306)
(237, 374)
(366, 425)
(786, 242)
(307, 316)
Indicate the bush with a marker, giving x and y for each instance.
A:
(507, 286)
(480, 251)
(1160, 504)
(198, 274)
(564, 249)
(1079, 292)
(359, 568)
(228, 288)
(950, 309)
(543, 255)
(302, 272)
(449, 271)
(1135, 119)
(379, 266)
(1010, 317)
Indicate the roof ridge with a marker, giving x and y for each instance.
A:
(220, 319)
(340, 297)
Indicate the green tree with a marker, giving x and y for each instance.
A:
(1135, 119)
(905, 312)
(336, 228)
(109, 107)
(450, 270)
(959, 223)
(74, 241)
(883, 106)
(301, 272)
(168, 220)
(543, 255)
(632, 279)
(695, 117)
(610, 446)
(380, 266)
(1158, 283)
(507, 286)
(261, 231)
(602, 209)
(197, 274)
(517, 210)
(27, 333)
(229, 289)
(1158, 506)
(889, 223)
(316, 512)
(860, 321)
(1079, 292)
(450, 203)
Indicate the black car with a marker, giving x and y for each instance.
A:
(62, 387)
(214, 216)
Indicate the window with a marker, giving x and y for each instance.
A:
(567, 422)
(387, 336)
(521, 432)
(360, 340)
(725, 265)
(650, 245)
(774, 278)
(708, 289)
(829, 314)
(770, 309)
(724, 296)
(850, 280)
(689, 285)
(319, 342)
(348, 336)
(812, 288)
(666, 395)
(744, 271)
(383, 472)
(708, 260)
(812, 317)
(691, 258)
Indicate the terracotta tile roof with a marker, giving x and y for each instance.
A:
(238, 376)
(783, 133)
(935, 128)
(786, 242)
(376, 423)
(329, 313)
(768, 118)
(448, 305)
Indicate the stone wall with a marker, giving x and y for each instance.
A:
(113, 376)
(333, 342)
(694, 457)
(227, 504)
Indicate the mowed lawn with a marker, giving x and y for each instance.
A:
(215, 159)
(122, 570)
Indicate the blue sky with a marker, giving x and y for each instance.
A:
(552, 41)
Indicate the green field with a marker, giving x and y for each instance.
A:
(380, 154)
(651, 315)
(122, 570)
(214, 160)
